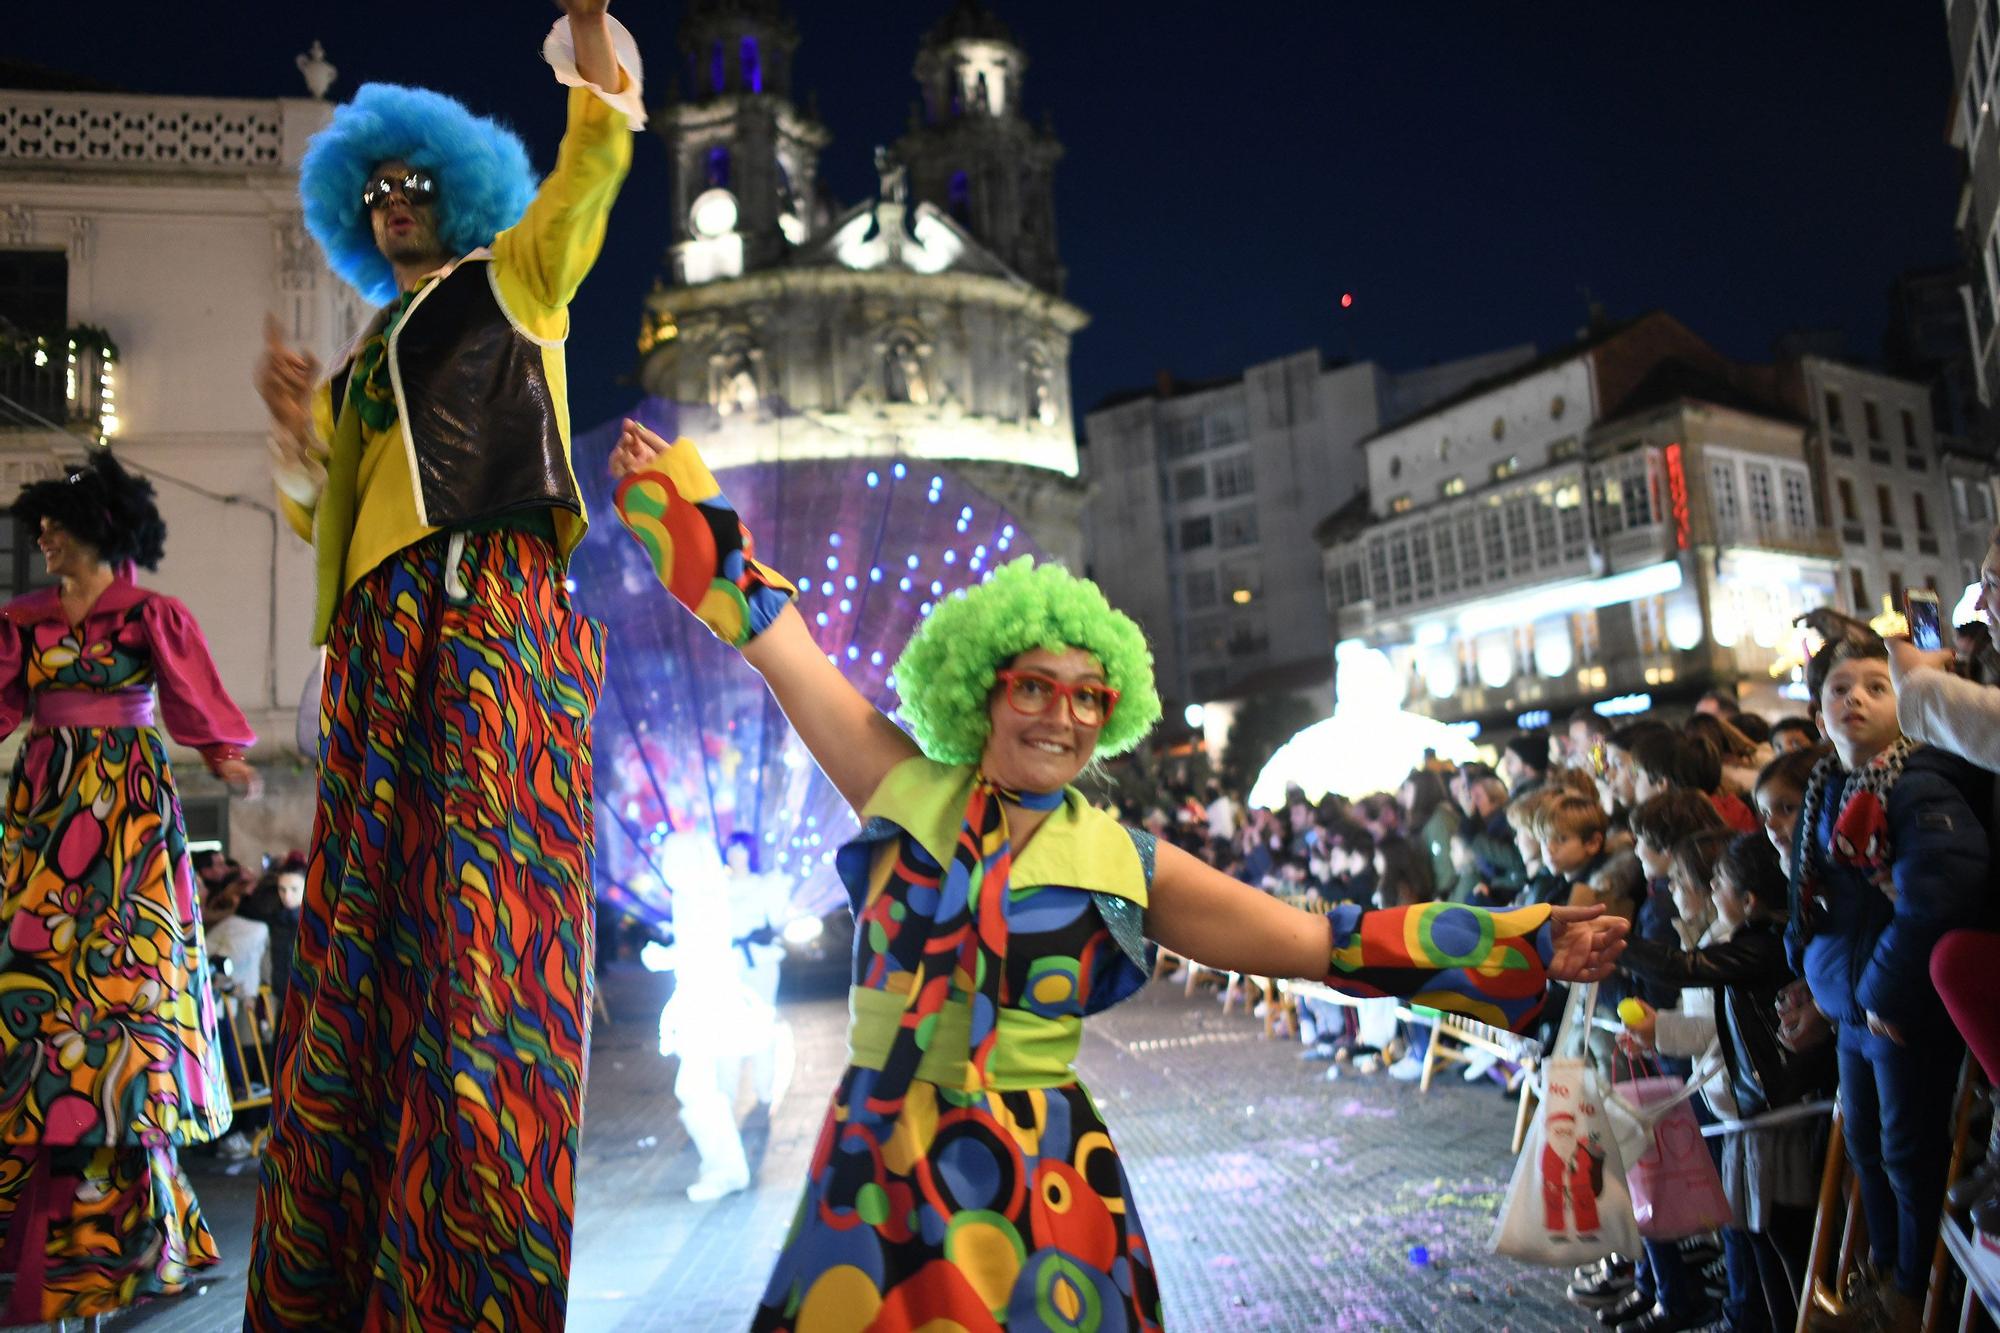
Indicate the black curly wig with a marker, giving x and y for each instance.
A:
(101, 505)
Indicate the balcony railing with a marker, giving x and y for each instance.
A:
(127, 131)
(1774, 535)
(34, 394)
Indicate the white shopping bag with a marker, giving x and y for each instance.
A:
(1568, 1203)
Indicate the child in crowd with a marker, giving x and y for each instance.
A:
(1889, 856)
(1571, 828)
(1794, 733)
(1780, 794)
(1770, 1174)
(1524, 814)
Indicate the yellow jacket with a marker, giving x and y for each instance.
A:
(371, 504)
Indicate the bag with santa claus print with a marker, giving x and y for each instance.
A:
(1568, 1203)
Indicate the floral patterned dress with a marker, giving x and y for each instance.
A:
(108, 1049)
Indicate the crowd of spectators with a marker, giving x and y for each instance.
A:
(1811, 900)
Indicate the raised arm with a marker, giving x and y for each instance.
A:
(848, 737)
(1492, 966)
(701, 552)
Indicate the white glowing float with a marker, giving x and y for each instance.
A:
(1369, 744)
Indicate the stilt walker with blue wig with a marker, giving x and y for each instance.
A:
(421, 1169)
(963, 1177)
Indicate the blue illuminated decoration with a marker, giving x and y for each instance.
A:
(958, 196)
(1624, 705)
(753, 70)
(717, 76)
(686, 734)
(718, 167)
(1533, 720)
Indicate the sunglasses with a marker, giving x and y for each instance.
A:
(416, 187)
(1031, 694)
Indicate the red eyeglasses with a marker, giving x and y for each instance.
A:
(1031, 694)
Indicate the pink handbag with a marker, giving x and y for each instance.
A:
(1676, 1190)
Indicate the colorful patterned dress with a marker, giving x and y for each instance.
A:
(1002, 1204)
(108, 1050)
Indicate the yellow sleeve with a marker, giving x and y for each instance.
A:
(297, 514)
(541, 260)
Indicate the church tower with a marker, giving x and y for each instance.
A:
(971, 152)
(745, 159)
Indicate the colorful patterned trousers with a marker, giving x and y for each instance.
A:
(421, 1171)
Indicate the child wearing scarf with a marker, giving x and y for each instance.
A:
(1889, 856)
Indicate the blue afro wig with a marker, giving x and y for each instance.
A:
(484, 180)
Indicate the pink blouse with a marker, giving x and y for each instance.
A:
(196, 709)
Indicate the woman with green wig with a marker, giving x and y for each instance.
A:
(963, 1178)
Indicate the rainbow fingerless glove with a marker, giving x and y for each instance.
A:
(699, 547)
(1488, 966)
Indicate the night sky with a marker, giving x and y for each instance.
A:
(1465, 169)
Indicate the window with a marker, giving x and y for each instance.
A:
(1896, 588)
(1885, 505)
(1196, 533)
(1798, 505)
(1493, 539)
(1399, 569)
(1849, 512)
(1871, 417)
(1178, 439)
(1506, 467)
(34, 291)
(1564, 449)
(1722, 484)
(1909, 430)
(1236, 527)
(1921, 510)
(1517, 528)
(1378, 571)
(1833, 420)
(1235, 476)
(1542, 515)
(1763, 504)
(1447, 555)
(1352, 580)
(1190, 483)
(1860, 590)
(1400, 505)
(1226, 427)
(1420, 556)
(21, 564)
(1451, 486)
(1200, 589)
(1242, 581)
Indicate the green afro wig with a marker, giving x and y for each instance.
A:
(946, 674)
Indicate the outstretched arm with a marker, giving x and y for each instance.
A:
(671, 502)
(1492, 966)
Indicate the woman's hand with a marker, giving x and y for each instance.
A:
(1586, 941)
(244, 780)
(636, 449)
(1905, 657)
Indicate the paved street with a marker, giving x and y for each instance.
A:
(1273, 1200)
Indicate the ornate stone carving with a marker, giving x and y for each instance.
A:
(736, 378)
(81, 232)
(319, 74)
(17, 224)
(93, 129)
(298, 260)
(905, 372)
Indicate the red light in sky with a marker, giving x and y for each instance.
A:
(1346, 300)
